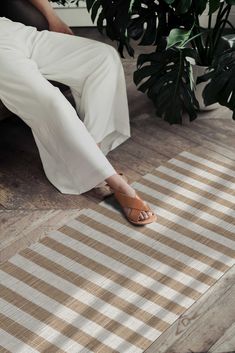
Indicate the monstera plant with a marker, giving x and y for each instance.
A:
(173, 29)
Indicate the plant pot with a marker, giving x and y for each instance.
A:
(199, 71)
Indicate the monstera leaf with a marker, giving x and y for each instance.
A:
(123, 20)
(143, 22)
(115, 17)
(168, 82)
(221, 86)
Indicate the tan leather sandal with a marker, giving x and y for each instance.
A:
(137, 206)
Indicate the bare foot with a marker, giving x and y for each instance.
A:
(116, 182)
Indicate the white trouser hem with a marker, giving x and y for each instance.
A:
(93, 180)
(112, 140)
(107, 145)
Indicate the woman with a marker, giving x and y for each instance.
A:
(73, 151)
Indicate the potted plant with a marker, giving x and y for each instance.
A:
(173, 28)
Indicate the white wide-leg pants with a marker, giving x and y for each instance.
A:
(66, 137)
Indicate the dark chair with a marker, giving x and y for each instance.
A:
(23, 11)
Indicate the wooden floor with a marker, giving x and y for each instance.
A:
(30, 206)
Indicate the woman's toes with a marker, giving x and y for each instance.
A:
(144, 215)
(147, 214)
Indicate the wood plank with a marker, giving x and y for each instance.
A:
(19, 229)
(130, 161)
(162, 140)
(192, 134)
(212, 131)
(216, 153)
(203, 323)
(226, 343)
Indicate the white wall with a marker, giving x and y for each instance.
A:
(74, 16)
(204, 18)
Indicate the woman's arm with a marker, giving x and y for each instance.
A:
(55, 23)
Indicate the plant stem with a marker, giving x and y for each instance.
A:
(219, 17)
(216, 33)
(208, 39)
(179, 74)
(198, 40)
(221, 29)
(219, 12)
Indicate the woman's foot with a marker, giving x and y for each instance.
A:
(116, 182)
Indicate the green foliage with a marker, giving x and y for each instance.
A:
(129, 19)
(221, 86)
(173, 28)
(178, 37)
(168, 82)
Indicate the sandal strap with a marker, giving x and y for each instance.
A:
(131, 202)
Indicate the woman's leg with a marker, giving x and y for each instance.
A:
(94, 72)
(71, 159)
(66, 148)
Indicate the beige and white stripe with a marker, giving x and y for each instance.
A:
(100, 284)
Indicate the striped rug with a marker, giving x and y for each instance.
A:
(100, 284)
